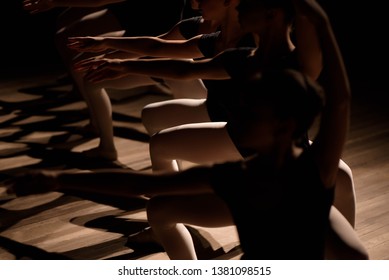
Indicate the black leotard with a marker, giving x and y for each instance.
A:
(189, 27)
(281, 215)
(241, 65)
(219, 91)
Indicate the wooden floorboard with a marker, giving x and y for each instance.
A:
(38, 121)
(367, 153)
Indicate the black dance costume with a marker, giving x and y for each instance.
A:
(189, 27)
(240, 65)
(220, 91)
(223, 95)
(280, 215)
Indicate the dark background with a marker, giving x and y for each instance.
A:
(27, 40)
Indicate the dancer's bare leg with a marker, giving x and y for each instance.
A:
(187, 89)
(202, 143)
(345, 200)
(99, 104)
(167, 215)
(207, 143)
(160, 115)
(343, 242)
(83, 22)
(100, 107)
(72, 15)
(98, 23)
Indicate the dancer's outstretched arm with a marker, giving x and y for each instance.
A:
(166, 68)
(38, 6)
(113, 182)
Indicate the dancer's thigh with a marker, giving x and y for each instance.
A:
(160, 115)
(206, 210)
(202, 143)
(187, 89)
(99, 23)
(345, 200)
(342, 242)
(127, 82)
(73, 14)
(96, 23)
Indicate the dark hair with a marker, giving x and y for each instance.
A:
(289, 93)
(285, 5)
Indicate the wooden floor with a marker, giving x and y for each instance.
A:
(38, 129)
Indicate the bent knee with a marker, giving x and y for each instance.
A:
(156, 146)
(159, 211)
(148, 119)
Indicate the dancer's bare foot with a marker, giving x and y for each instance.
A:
(98, 153)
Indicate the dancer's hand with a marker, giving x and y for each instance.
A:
(87, 44)
(37, 6)
(33, 182)
(102, 69)
(91, 63)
